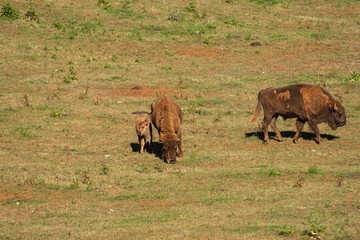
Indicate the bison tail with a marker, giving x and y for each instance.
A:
(257, 112)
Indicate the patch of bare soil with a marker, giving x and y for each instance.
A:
(196, 51)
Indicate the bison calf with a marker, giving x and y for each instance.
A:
(144, 132)
(167, 117)
(308, 103)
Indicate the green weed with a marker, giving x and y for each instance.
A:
(286, 230)
(34, 180)
(275, 172)
(74, 183)
(354, 77)
(104, 169)
(192, 7)
(314, 170)
(59, 25)
(71, 77)
(9, 12)
(32, 15)
(56, 114)
(316, 228)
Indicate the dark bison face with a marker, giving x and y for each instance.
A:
(168, 152)
(338, 116)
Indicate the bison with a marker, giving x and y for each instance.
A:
(143, 131)
(167, 117)
(308, 103)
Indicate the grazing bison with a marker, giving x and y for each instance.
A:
(308, 103)
(144, 132)
(167, 117)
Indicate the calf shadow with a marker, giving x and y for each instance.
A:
(156, 148)
(290, 134)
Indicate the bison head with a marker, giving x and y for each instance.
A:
(338, 116)
(142, 125)
(169, 147)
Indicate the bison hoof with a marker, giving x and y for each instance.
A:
(295, 141)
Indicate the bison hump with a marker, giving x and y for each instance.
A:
(314, 100)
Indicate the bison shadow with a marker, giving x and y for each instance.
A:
(290, 134)
(156, 148)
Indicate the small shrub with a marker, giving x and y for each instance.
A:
(354, 77)
(32, 15)
(34, 180)
(316, 228)
(192, 7)
(71, 77)
(59, 25)
(105, 169)
(102, 2)
(275, 172)
(231, 21)
(286, 230)
(299, 183)
(56, 113)
(175, 16)
(74, 183)
(137, 60)
(314, 170)
(9, 12)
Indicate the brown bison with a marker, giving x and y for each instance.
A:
(144, 132)
(308, 103)
(167, 117)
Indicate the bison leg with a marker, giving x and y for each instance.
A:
(180, 154)
(142, 144)
(276, 130)
(178, 142)
(265, 124)
(299, 126)
(313, 125)
(151, 138)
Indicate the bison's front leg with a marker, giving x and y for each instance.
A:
(181, 155)
(142, 144)
(151, 138)
(299, 126)
(313, 125)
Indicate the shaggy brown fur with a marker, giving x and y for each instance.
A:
(144, 131)
(308, 103)
(167, 117)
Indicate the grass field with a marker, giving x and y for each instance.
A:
(73, 75)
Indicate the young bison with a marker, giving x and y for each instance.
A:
(144, 132)
(308, 103)
(167, 117)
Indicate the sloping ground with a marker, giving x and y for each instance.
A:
(71, 81)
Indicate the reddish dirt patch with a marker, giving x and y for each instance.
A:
(197, 51)
(6, 196)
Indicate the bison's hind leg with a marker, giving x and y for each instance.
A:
(265, 124)
(276, 130)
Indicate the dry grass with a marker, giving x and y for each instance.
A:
(70, 164)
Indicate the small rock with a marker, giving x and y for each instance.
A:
(136, 88)
(255, 44)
